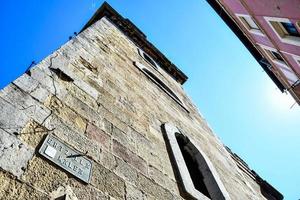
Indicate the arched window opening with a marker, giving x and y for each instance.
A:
(148, 59)
(192, 165)
(197, 176)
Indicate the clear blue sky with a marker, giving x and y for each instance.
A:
(237, 98)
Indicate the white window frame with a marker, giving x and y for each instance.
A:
(296, 58)
(143, 53)
(283, 38)
(247, 25)
(284, 64)
(274, 60)
(211, 179)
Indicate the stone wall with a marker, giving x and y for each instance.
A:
(90, 95)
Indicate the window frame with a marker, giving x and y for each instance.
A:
(285, 38)
(298, 24)
(217, 191)
(296, 58)
(143, 54)
(284, 68)
(242, 19)
(268, 51)
(287, 28)
(163, 86)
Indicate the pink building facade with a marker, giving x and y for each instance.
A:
(270, 29)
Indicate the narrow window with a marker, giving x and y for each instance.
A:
(192, 165)
(276, 58)
(160, 83)
(286, 31)
(297, 59)
(290, 29)
(274, 55)
(148, 59)
(249, 23)
(197, 176)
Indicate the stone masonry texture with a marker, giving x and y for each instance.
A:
(90, 95)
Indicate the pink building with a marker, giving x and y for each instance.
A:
(270, 29)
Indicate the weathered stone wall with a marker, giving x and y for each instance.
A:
(95, 100)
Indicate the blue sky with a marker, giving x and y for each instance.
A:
(240, 102)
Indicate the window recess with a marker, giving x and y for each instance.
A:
(297, 59)
(249, 23)
(285, 30)
(276, 58)
(151, 75)
(273, 55)
(197, 175)
(148, 59)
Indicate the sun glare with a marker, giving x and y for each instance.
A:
(281, 101)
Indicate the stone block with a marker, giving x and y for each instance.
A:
(94, 82)
(83, 96)
(150, 187)
(87, 88)
(108, 182)
(12, 189)
(162, 179)
(33, 133)
(168, 169)
(125, 138)
(132, 193)
(26, 83)
(107, 126)
(63, 192)
(12, 120)
(40, 94)
(128, 156)
(44, 175)
(98, 135)
(82, 109)
(155, 136)
(172, 186)
(126, 171)
(14, 155)
(157, 176)
(88, 65)
(44, 79)
(66, 114)
(86, 191)
(25, 103)
(154, 160)
(144, 147)
(108, 160)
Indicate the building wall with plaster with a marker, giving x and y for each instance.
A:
(260, 11)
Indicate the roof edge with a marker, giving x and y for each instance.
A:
(266, 188)
(138, 37)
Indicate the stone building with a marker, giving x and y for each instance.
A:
(106, 117)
